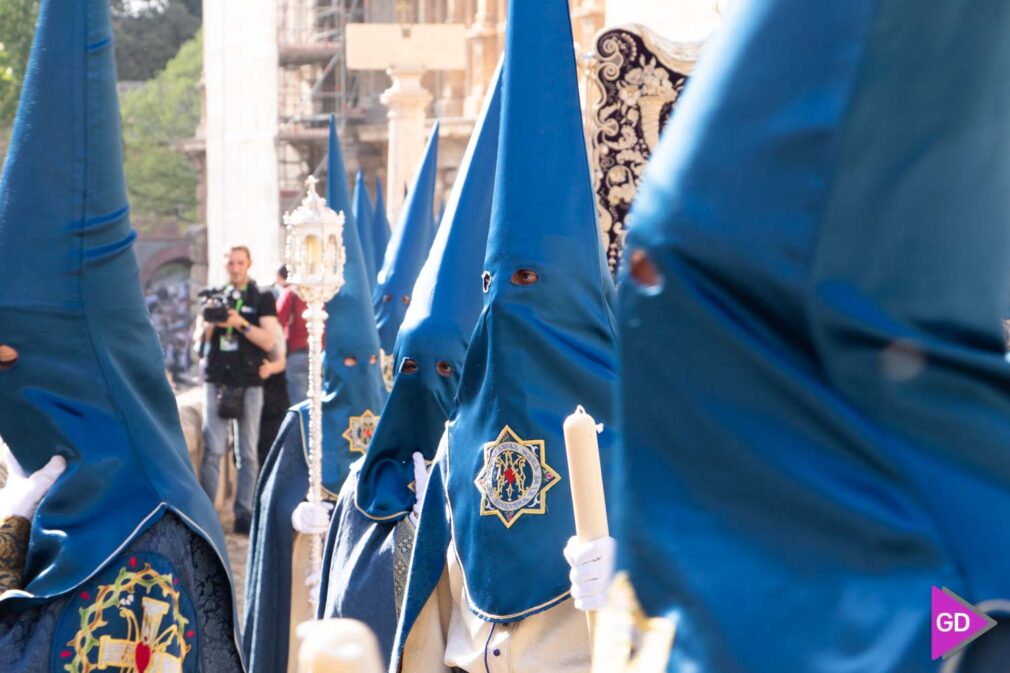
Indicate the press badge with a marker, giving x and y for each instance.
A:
(229, 343)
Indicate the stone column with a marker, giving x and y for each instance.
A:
(588, 19)
(503, 13)
(483, 41)
(240, 57)
(450, 99)
(407, 102)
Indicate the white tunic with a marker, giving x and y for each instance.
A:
(448, 635)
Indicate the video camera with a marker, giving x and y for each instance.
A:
(216, 301)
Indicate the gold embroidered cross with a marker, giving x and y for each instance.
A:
(146, 654)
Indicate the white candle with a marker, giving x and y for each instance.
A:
(586, 476)
(586, 483)
(313, 262)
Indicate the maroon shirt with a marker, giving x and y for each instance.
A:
(290, 308)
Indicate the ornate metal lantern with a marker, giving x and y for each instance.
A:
(315, 258)
(315, 247)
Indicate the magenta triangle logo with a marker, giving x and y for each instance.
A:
(955, 623)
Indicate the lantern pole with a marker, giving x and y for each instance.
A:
(315, 320)
(315, 257)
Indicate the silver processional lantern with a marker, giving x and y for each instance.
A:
(315, 258)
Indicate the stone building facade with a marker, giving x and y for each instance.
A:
(275, 70)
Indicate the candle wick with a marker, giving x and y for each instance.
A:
(580, 409)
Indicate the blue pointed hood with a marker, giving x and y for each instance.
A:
(436, 330)
(353, 392)
(380, 226)
(407, 249)
(363, 215)
(545, 340)
(813, 390)
(338, 196)
(89, 383)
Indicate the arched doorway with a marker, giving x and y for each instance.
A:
(167, 294)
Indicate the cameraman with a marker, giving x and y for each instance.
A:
(234, 350)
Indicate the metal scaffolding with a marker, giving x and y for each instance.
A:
(314, 83)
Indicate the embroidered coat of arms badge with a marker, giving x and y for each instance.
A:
(360, 430)
(515, 478)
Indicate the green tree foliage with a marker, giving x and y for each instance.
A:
(156, 118)
(148, 34)
(17, 28)
(195, 7)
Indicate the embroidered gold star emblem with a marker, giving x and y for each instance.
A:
(515, 478)
(360, 430)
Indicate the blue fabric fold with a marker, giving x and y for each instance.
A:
(813, 391)
(89, 383)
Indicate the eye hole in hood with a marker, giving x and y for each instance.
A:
(443, 368)
(8, 357)
(525, 277)
(408, 366)
(644, 271)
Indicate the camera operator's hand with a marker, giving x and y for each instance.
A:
(234, 320)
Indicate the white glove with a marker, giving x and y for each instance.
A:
(420, 485)
(592, 566)
(22, 494)
(311, 519)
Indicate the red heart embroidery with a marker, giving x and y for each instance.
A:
(142, 657)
